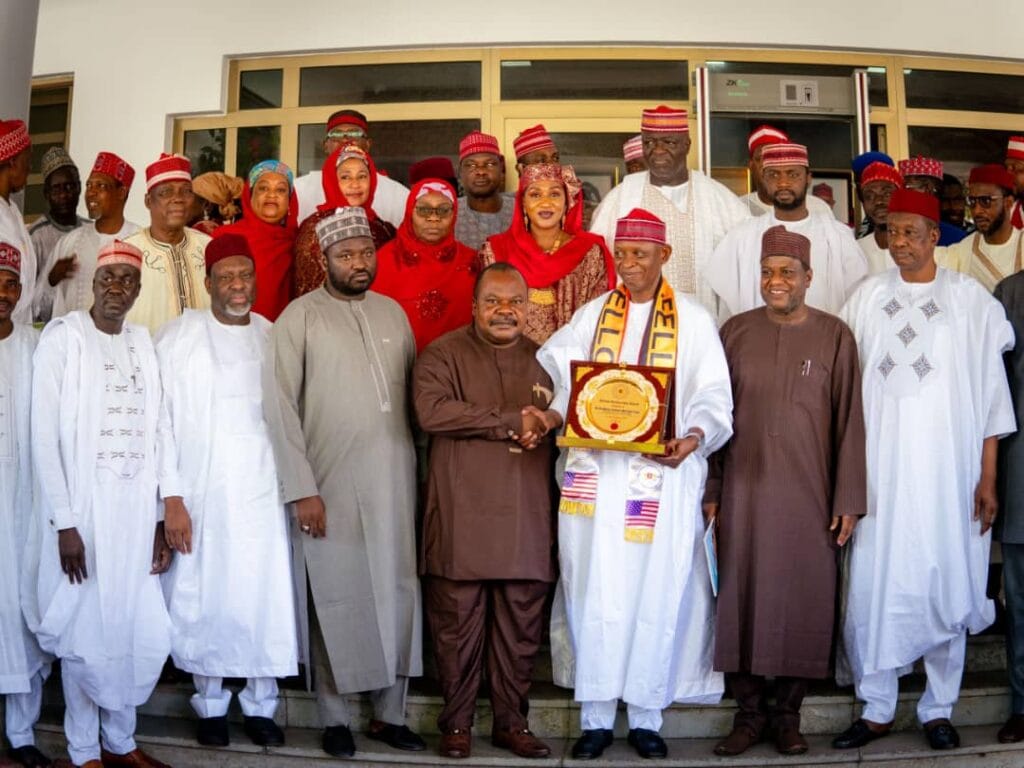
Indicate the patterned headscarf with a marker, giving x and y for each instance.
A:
(271, 166)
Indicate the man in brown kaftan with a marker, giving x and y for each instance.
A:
(787, 491)
(488, 543)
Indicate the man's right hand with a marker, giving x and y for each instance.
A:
(63, 269)
(72, 555)
(312, 515)
(177, 525)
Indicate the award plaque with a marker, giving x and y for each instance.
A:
(618, 407)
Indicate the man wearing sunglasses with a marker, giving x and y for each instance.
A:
(995, 250)
(347, 126)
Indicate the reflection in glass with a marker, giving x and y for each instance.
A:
(259, 89)
(970, 91)
(595, 79)
(205, 150)
(256, 144)
(382, 83)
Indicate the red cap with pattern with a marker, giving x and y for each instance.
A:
(779, 241)
(10, 258)
(1015, 148)
(911, 201)
(765, 134)
(119, 252)
(633, 149)
(532, 140)
(639, 224)
(664, 119)
(476, 142)
(14, 139)
(168, 168)
(992, 174)
(921, 166)
(110, 164)
(877, 171)
(784, 154)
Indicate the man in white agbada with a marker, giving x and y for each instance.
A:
(23, 666)
(229, 590)
(696, 209)
(759, 199)
(936, 402)
(15, 162)
(95, 400)
(347, 126)
(70, 265)
(734, 272)
(632, 618)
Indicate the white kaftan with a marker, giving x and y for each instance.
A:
(14, 231)
(757, 208)
(934, 389)
(635, 621)
(231, 600)
(95, 401)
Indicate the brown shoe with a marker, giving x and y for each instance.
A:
(789, 741)
(456, 743)
(520, 742)
(134, 759)
(1012, 731)
(739, 741)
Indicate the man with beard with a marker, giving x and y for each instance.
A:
(953, 203)
(336, 399)
(993, 252)
(878, 182)
(485, 209)
(734, 272)
(696, 209)
(95, 399)
(173, 266)
(62, 189)
(70, 265)
(759, 199)
(221, 508)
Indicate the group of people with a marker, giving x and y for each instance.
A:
(213, 436)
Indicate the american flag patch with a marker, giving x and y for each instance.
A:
(579, 486)
(641, 514)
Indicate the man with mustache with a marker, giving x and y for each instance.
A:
(877, 183)
(95, 399)
(759, 199)
(173, 265)
(336, 398)
(221, 509)
(995, 251)
(70, 265)
(734, 271)
(487, 546)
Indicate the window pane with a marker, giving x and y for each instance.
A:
(260, 89)
(48, 118)
(830, 143)
(205, 149)
(595, 79)
(35, 203)
(381, 83)
(959, 149)
(971, 91)
(878, 88)
(597, 160)
(397, 144)
(256, 144)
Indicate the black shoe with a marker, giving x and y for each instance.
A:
(338, 741)
(28, 756)
(213, 731)
(941, 734)
(592, 743)
(647, 743)
(857, 735)
(263, 732)
(395, 736)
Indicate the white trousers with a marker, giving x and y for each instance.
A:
(943, 666)
(23, 711)
(258, 698)
(85, 722)
(601, 714)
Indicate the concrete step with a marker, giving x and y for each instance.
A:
(171, 740)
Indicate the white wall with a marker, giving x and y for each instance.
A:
(137, 61)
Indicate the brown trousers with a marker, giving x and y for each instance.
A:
(463, 615)
(750, 692)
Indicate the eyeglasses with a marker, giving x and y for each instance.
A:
(353, 133)
(441, 212)
(982, 201)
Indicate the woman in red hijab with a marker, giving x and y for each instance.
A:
(350, 180)
(564, 267)
(269, 210)
(424, 268)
